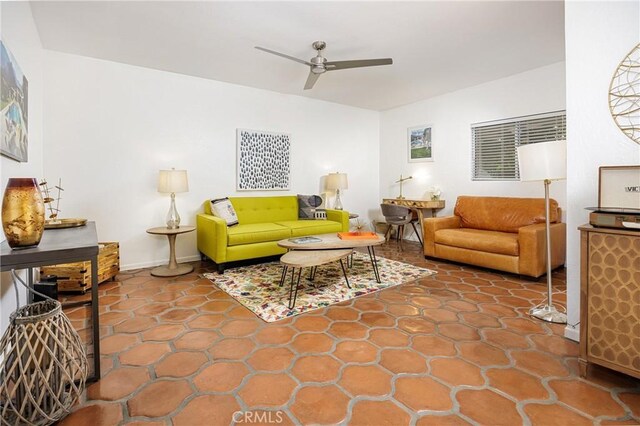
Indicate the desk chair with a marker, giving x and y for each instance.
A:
(399, 216)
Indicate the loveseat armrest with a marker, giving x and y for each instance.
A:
(339, 216)
(432, 224)
(212, 237)
(533, 256)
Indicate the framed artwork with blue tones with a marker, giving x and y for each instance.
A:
(14, 106)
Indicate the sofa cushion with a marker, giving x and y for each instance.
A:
(504, 214)
(265, 209)
(307, 205)
(301, 228)
(477, 239)
(256, 233)
(223, 209)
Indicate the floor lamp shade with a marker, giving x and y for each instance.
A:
(172, 181)
(337, 182)
(543, 161)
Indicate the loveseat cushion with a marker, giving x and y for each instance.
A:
(307, 205)
(477, 239)
(223, 209)
(265, 209)
(257, 233)
(301, 228)
(503, 214)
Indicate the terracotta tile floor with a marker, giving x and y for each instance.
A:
(454, 348)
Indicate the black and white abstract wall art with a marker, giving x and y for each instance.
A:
(263, 160)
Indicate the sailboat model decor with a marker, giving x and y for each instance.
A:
(54, 221)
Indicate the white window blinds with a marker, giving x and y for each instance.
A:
(494, 155)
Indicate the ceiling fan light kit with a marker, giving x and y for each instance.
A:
(319, 65)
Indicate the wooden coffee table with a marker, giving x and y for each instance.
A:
(309, 259)
(333, 242)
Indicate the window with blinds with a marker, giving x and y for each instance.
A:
(494, 154)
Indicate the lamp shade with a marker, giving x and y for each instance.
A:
(543, 161)
(337, 181)
(173, 181)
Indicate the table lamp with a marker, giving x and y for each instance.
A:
(337, 182)
(545, 161)
(172, 181)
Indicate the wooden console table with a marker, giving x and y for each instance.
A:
(420, 206)
(63, 246)
(609, 295)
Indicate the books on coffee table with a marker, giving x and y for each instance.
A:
(305, 240)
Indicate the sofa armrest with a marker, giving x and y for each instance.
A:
(432, 224)
(340, 216)
(533, 256)
(212, 237)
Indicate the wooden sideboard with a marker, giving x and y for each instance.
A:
(610, 299)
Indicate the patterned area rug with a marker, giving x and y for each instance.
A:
(257, 286)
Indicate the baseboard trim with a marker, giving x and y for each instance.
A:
(572, 332)
(152, 263)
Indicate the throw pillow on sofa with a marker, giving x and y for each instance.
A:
(223, 209)
(307, 206)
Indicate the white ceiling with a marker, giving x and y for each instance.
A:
(437, 47)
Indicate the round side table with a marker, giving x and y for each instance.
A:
(173, 269)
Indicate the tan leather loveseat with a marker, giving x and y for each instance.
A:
(501, 233)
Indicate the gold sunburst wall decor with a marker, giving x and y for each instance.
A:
(624, 95)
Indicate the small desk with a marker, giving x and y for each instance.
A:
(173, 269)
(63, 246)
(418, 205)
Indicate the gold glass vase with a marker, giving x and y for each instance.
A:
(22, 213)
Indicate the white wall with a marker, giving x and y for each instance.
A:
(451, 115)
(598, 36)
(21, 37)
(110, 127)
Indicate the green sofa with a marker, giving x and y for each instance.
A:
(263, 221)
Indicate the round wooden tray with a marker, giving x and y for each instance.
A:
(65, 223)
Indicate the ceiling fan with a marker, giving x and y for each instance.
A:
(319, 65)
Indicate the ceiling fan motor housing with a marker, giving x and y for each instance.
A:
(317, 64)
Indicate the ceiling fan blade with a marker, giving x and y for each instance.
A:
(311, 80)
(273, 52)
(341, 65)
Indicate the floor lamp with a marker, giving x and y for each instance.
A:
(545, 161)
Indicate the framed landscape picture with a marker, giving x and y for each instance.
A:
(419, 144)
(14, 98)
